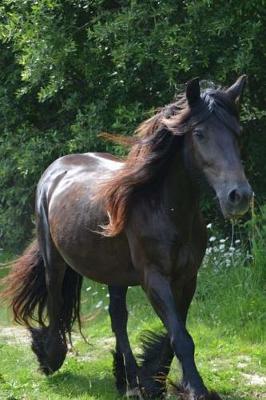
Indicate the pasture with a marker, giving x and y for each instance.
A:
(227, 321)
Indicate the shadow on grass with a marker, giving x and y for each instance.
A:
(76, 384)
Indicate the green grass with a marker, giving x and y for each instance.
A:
(226, 320)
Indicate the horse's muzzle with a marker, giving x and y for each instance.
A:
(236, 200)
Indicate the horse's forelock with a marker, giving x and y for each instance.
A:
(212, 102)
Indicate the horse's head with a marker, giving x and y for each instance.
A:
(214, 131)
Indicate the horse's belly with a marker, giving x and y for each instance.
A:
(105, 262)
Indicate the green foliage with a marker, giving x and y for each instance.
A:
(71, 69)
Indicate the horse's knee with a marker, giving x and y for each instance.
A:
(183, 346)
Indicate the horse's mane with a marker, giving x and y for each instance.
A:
(153, 146)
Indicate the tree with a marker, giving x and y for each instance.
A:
(71, 69)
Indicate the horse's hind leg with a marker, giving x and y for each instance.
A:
(56, 346)
(125, 366)
(49, 343)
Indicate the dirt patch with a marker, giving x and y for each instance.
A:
(255, 379)
(243, 361)
(14, 335)
(94, 349)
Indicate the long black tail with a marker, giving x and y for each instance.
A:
(26, 292)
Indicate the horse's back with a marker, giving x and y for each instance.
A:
(74, 178)
(76, 169)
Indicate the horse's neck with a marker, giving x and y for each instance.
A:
(180, 192)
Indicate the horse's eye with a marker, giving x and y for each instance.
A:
(199, 134)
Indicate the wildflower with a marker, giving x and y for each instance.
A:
(237, 241)
(227, 263)
(209, 226)
(88, 288)
(99, 304)
(94, 293)
(212, 239)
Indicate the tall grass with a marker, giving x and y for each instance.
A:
(231, 293)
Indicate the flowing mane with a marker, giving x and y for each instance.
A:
(155, 143)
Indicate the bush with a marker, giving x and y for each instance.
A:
(70, 69)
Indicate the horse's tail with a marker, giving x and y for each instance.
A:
(25, 287)
(26, 291)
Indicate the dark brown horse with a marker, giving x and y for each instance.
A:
(133, 222)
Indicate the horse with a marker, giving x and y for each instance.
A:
(133, 221)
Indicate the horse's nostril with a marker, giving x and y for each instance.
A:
(234, 196)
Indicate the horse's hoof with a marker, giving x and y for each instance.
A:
(51, 357)
(134, 394)
(186, 393)
(45, 369)
(153, 387)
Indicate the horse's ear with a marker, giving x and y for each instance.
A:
(236, 90)
(193, 91)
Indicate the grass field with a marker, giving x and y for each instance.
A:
(227, 320)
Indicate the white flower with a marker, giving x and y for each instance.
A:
(222, 247)
(88, 289)
(94, 293)
(237, 241)
(209, 226)
(212, 239)
(222, 240)
(99, 304)
(250, 256)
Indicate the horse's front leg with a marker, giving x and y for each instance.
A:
(158, 289)
(158, 352)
